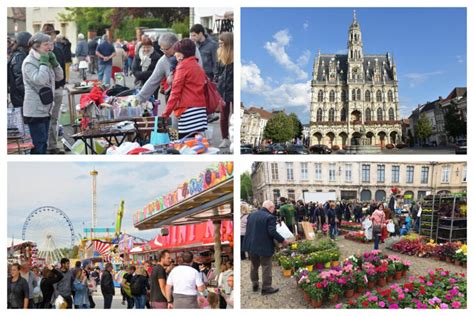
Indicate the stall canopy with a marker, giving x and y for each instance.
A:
(214, 203)
(188, 236)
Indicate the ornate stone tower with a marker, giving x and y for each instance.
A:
(354, 97)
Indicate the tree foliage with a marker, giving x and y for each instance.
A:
(296, 125)
(423, 128)
(246, 192)
(122, 21)
(454, 123)
(279, 128)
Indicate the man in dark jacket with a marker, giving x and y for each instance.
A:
(107, 286)
(53, 146)
(16, 87)
(92, 47)
(258, 242)
(207, 48)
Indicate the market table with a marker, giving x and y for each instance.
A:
(71, 92)
(108, 133)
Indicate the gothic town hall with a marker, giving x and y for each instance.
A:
(354, 96)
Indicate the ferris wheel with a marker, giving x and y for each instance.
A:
(52, 231)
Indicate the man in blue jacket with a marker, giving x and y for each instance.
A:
(258, 242)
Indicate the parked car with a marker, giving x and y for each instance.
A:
(461, 147)
(274, 149)
(320, 149)
(297, 150)
(246, 149)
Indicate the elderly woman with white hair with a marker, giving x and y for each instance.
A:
(40, 71)
(81, 54)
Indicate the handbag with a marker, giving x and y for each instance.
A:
(46, 95)
(377, 229)
(157, 138)
(214, 100)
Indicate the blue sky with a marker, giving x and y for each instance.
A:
(278, 47)
(67, 186)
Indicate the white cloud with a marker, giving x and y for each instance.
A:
(459, 59)
(277, 49)
(415, 78)
(304, 58)
(251, 80)
(306, 25)
(290, 95)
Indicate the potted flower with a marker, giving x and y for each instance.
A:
(371, 274)
(382, 273)
(406, 267)
(360, 280)
(287, 264)
(310, 261)
(334, 291)
(390, 272)
(316, 295)
(349, 286)
(459, 257)
(334, 258)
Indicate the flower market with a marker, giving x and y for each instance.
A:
(392, 252)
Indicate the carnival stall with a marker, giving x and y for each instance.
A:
(202, 200)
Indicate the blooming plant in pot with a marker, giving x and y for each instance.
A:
(334, 292)
(371, 274)
(287, 264)
(361, 280)
(316, 294)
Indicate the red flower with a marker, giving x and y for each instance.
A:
(319, 285)
(365, 303)
(422, 290)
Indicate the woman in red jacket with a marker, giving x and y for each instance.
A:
(187, 100)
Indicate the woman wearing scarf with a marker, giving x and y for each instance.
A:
(144, 62)
(40, 71)
(187, 100)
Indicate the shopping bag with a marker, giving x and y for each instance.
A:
(283, 230)
(213, 99)
(158, 138)
(368, 233)
(367, 223)
(390, 227)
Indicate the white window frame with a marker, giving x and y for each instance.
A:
(289, 171)
(332, 172)
(318, 171)
(304, 171)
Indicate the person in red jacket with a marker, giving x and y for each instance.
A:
(187, 100)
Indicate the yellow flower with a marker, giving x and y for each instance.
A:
(464, 249)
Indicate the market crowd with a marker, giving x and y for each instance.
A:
(259, 226)
(39, 68)
(157, 284)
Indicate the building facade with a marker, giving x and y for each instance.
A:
(253, 122)
(16, 20)
(36, 17)
(435, 112)
(362, 181)
(354, 96)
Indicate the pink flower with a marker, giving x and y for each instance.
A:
(444, 306)
(412, 278)
(456, 304)
(393, 306)
(401, 296)
(339, 305)
(373, 299)
(382, 304)
(448, 297)
(451, 280)
(429, 283)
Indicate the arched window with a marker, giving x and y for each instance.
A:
(391, 114)
(319, 115)
(390, 96)
(379, 96)
(343, 114)
(332, 96)
(331, 115)
(343, 95)
(379, 114)
(353, 94)
(368, 114)
(367, 96)
(320, 96)
(358, 95)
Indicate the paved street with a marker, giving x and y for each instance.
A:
(412, 151)
(116, 303)
(290, 296)
(213, 128)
